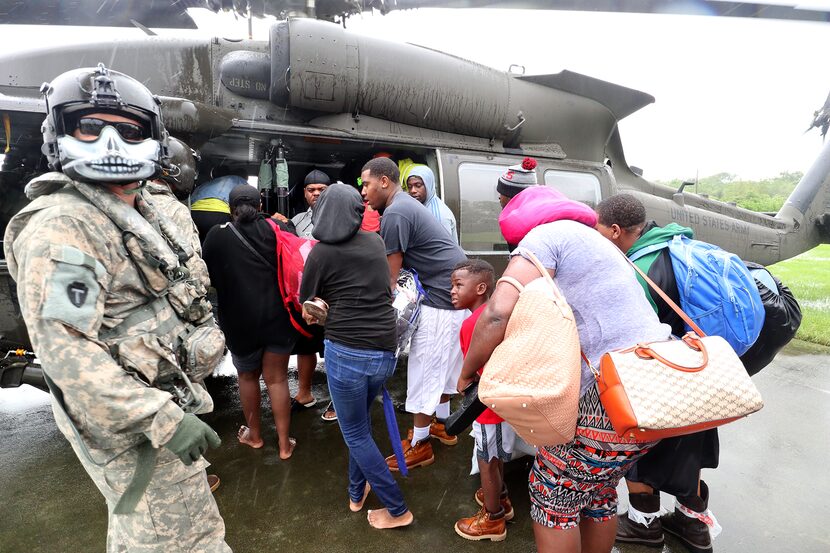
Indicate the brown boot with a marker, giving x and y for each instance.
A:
(439, 431)
(417, 455)
(505, 503)
(483, 526)
(650, 534)
(692, 532)
(213, 482)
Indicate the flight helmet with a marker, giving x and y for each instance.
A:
(179, 168)
(121, 152)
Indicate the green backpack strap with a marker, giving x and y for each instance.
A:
(644, 258)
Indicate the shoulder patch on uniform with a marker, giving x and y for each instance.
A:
(77, 292)
(73, 289)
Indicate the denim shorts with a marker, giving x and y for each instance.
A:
(253, 361)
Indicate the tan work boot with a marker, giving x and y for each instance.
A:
(482, 526)
(439, 431)
(213, 482)
(503, 499)
(418, 455)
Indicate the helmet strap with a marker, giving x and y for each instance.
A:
(136, 190)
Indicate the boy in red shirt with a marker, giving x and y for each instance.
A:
(472, 284)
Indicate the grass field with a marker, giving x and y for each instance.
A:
(808, 276)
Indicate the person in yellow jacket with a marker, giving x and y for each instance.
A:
(209, 202)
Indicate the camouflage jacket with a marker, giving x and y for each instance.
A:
(176, 211)
(80, 278)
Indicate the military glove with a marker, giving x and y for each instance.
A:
(192, 438)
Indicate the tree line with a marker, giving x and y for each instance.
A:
(764, 195)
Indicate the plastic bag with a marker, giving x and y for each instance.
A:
(407, 303)
(781, 321)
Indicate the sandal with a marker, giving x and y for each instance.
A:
(329, 415)
(297, 406)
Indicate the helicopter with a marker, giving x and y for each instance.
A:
(174, 14)
(315, 95)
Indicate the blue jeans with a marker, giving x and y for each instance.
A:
(355, 378)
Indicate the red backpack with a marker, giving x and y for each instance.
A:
(292, 251)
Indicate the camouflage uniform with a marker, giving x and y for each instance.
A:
(82, 279)
(176, 211)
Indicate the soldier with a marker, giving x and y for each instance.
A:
(114, 300)
(174, 187)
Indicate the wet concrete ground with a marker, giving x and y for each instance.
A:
(769, 494)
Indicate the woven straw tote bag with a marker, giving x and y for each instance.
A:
(532, 379)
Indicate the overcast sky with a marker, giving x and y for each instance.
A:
(732, 94)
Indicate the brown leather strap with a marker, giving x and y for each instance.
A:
(594, 371)
(666, 298)
(645, 352)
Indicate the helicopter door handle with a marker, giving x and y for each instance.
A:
(521, 117)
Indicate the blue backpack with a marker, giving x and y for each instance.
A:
(716, 290)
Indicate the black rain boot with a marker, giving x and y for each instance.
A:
(629, 531)
(693, 533)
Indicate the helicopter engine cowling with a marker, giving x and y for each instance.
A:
(321, 67)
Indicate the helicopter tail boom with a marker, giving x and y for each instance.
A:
(808, 208)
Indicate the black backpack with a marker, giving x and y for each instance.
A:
(782, 317)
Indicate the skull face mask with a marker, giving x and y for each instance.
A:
(109, 158)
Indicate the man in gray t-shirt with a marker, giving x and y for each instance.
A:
(409, 229)
(416, 240)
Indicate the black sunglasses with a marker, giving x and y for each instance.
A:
(131, 132)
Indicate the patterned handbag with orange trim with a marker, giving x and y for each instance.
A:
(662, 389)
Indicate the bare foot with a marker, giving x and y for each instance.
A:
(355, 507)
(381, 519)
(244, 436)
(292, 443)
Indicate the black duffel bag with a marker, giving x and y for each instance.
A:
(782, 317)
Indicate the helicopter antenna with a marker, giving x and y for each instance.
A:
(250, 22)
(684, 184)
(138, 25)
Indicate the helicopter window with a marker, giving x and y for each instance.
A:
(582, 187)
(480, 207)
